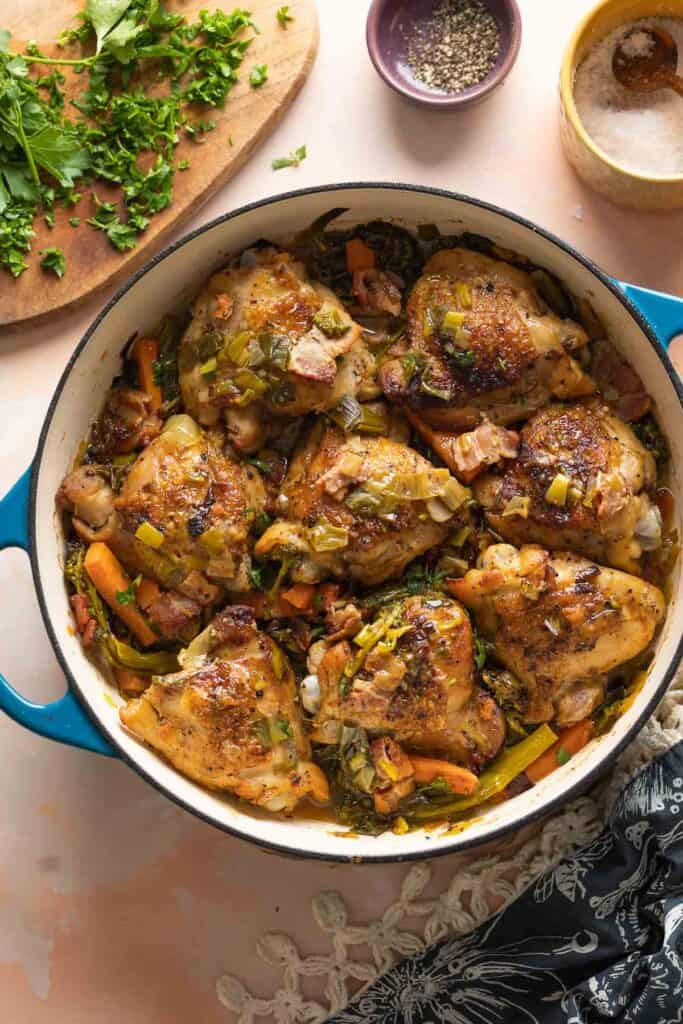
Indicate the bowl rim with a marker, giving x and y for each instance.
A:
(567, 72)
(462, 841)
(437, 101)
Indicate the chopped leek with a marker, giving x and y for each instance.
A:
(327, 537)
(331, 323)
(558, 490)
(434, 390)
(511, 763)
(149, 535)
(237, 347)
(279, 729)
(209, 366)
(247, 380)
(184, 429)
(464, 295)
(517, 506)
(347, 414)
(213, 540)
(400, 826)
(452, 321)
(121, 655)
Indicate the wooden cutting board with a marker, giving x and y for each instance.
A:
(249, 114)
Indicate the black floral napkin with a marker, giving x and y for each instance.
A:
(599, 938)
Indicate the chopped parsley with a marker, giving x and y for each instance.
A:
(53, 259)
(562, 756)
(293, 160)
(121, 134)
(283, 16)
(258, 76)
(127, 596)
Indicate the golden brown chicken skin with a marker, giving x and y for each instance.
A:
(230, 720)
(199, 500)
(480, 340)
(416, 683)
(560, 623)
(265, 340)
(580, 481)
(351, 507)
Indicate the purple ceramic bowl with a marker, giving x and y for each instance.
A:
(389, 28)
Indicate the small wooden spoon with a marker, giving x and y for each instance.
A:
(653, 70)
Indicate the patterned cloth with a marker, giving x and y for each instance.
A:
(598, 938)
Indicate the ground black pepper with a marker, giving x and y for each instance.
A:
(455, 47)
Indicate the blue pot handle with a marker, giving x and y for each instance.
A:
(663, 312)
(64, 719)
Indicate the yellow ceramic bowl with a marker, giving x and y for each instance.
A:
(591, 163)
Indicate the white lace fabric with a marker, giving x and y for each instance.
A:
(477, 886)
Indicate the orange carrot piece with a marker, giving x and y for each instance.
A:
(146, 352)
(570, 742)
(130, 683)
(460, 780)
(359, 256)
(329, 592)
(110, 579)
(147, 592)
(300, 595)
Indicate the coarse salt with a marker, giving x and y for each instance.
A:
(641, 131)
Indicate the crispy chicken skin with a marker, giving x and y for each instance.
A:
(229, 720)
(606, 513)
(560, 623)
(186, 486)
(280, 342)
(506, 357)
(423, 692)
(344, 483)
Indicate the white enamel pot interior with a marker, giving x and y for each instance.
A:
(168, 282)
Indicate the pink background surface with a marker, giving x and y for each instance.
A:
(115, 905)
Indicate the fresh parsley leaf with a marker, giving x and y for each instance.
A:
(104, 15)
(256, 577)
(127, 596)
(293, 160)
(53, 259)
(562, 756)
(258, 76)
(479, 651)
(74, 221)
(283, 16)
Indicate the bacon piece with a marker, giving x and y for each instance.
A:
(310, 360)
(467, 455)
(174, 615)
(378, 291)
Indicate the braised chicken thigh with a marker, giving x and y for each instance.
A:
(229, 719)
(480, 340)
(560, 623)
(359, 506)
(263, 337)
(411, 674)
(580, 481)
(191, 502)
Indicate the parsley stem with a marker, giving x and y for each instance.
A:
(23, 141)
(58, 60)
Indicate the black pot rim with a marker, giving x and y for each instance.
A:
(463, 842)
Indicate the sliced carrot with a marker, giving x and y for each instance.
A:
(130, 683)
(328, 593)
(264, 607)
(359, 256)
(570, 741)
(147, 592)
(443, 444)
(146, 352)
(110, 579)
(300, 595)
(460, 780)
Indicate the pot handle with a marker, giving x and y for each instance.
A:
(664, 312)
(63, 719)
